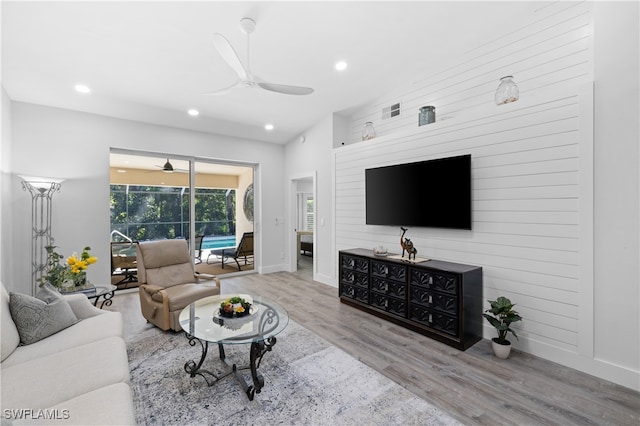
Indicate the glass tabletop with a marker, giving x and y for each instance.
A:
(202, 319)
(104, 289)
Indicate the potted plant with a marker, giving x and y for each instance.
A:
(502, 315)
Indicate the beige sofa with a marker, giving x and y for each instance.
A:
(79, 375)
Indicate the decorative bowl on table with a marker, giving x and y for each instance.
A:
(380, 251)
(235, 307)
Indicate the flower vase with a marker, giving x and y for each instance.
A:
(67, 286)
(80, 280)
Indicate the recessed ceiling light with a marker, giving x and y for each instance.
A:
(341, 66)
(268, 126)
(193, 112)
(81, 88)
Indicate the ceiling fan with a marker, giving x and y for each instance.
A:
(245, 78)
(168, 168)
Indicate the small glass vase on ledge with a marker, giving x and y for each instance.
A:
(368, 133)
(507, 91)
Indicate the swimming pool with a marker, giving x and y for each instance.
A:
(209, 243)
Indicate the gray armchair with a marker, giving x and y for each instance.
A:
(168, 282)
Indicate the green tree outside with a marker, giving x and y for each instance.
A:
(153, 212)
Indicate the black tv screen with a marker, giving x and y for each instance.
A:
(434, 193)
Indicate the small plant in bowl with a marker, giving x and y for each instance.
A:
(501, 316)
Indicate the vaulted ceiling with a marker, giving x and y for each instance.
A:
(153, 61)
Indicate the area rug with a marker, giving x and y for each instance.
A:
(307, 382)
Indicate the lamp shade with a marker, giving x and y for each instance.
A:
(40, 183)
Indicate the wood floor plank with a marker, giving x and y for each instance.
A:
(473, 386)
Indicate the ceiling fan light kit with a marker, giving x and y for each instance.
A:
(247, 25)
(245, 79)
(168, 167)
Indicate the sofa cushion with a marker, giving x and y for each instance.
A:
(41, 316)
(10, 338)
(110, 405)
(88, 330)
(59, 377)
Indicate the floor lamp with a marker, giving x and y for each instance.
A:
(42, 190)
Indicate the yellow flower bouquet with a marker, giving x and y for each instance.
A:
(72, 273)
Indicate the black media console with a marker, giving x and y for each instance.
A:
(442, 300)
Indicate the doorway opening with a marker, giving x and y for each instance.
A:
(303, 211)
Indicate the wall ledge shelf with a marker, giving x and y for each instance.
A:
(473, 116)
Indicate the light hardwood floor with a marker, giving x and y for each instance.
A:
(473, 386)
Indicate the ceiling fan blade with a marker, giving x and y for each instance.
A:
(287, 90)
(224, 90)
(229, 55)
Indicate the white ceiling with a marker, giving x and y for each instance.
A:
(151, 61)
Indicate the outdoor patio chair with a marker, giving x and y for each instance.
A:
(123, 262)
(198, 249)
(244, 252)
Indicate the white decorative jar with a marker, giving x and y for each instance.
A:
(507, 91)
(368, 133)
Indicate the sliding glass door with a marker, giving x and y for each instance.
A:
(151, 199)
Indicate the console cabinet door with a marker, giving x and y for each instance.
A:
(356, 293)
(389, 271)
(434, 319)
(354, 263)
(445, 303)
(434, 280)
(389, 304)
(354, 278)
(389, 288)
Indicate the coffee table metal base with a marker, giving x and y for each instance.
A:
(257, 351)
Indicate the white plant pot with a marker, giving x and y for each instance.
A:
(501, 351)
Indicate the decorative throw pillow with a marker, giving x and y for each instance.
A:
(41, 316)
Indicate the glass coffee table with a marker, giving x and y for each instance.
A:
(203, 324)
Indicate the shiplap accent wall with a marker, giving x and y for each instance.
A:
(527, 195)
(532, 172)
(553, 50)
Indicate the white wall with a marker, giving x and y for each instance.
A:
(75, 146)
(617, 186)
(313, 156)
(6, 230)
(242, 223)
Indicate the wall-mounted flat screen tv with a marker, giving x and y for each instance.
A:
(433, 193)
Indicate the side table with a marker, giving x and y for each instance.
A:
(106, 292)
